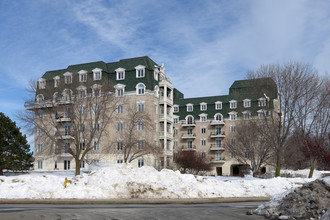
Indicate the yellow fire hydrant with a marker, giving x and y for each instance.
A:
(66, 181)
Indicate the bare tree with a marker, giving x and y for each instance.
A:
(250, 145)
(190, 161)
(134, 136)
(297, 85)
(69, 118)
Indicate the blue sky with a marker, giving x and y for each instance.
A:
(205, 45)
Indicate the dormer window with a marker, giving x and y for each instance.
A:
(218, 117)
(232, 116)
(246, 115)
(40, 98)
(247, 103)
(262, 102)
(42, 83)
(120, 74)
(140, 89)
(67, 78)
(203, 117)
(218, 105)
(56, 81)
(140, 71)
(82, 92)
(175, 108)
(120, 89)
(233, 104)
(97, 74)
(190, 107)
(203, 106)
(82, 75)
(96, 90)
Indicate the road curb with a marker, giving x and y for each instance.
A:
(134, 201)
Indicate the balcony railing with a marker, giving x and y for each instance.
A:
(187, 136)
(188, 147)
(217, 135)
(217, 122)
(216, 147)
(218, 160)
(189, 124)
(63, 119)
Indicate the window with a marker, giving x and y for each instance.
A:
(82, 127)
(190, 120)
(67, 78)
(176, 120)
(39, 164)
(189, 144)
(140, 107)
(232, 128)
(140, 71)
(246, 115)
(120, 92)
(175, 108)
(40, 114)
(203, 142)
(233, 104)
(218, 105)
(120, 161)
(67, 129)
(96, 108)
(175, 143)
(232, 141)
(261, 114)
(140, 89)
(67, 94)
(42, 83)
(203, 106)
(40, 98)
(82, 75)
(55, 164)
(218, 130)
(56, 81)
(82, 164)
(140, 125)
(190, 107)
(82, 93)
(262, 102)
(156, 75)
(120, 108)
(140, 145)
(96, 144)
(203, 118)
(97, 126)
(39, 149)
(82, 145)
(66, 147)
(247, 103)
(232, 116)
(120, 126)
(175, 131)
(119, 145)
(82, 109)
(203, 155)
(218, 117)
(232, 155)
(120, 72)
(97, 74)
(189, 131)
(40, 132)
(140, 163)
(203, 130)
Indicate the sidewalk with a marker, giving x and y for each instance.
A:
(134, 201)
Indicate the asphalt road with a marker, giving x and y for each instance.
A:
(128, 211)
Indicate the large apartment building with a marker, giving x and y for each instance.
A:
(137, 85)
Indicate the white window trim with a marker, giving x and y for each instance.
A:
(117, 73)
(41, 83)
(218, 102)
(215, 117)
(260, 100)
(232, 113)
(56, 81)
(66, 74)
(193, 119)
(202, 105)
(232, 102)
(97, 70)
(175, 106)
(246, 113)
(82, 72)
(245, 101)
(201, 116)
(120, 86)
(140, 67)
(138, 103)
(137, 89)
(190, 105)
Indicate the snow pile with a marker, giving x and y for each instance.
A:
(123, 181)
(309, 201)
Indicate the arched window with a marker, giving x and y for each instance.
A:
(140, 89)
(67, 94)
(218, 117)
(156, 90)
(190, 119)
(40, 98)
(55, 96)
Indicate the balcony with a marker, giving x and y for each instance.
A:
(189, 124)
(216, 147)
(188, 147)
(63, 119)
(217, 135)
(65, 137)
(162, 117)
(218, 160)
(188, 136)
(217, 122)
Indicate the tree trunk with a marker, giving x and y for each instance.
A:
(311, 171)
(77, 171)
(1, 172)
(278, 169)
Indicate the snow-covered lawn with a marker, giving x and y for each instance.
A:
(123, 181)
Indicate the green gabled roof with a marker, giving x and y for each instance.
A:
(131, 63)
(88, 66)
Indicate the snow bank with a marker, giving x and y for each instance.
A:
(124, 181)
